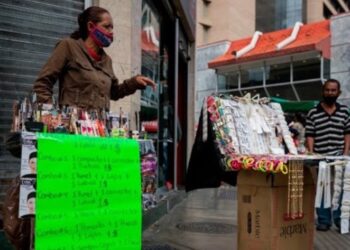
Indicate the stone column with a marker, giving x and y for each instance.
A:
(125, 51)
(340, 53)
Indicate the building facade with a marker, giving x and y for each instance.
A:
(266, 17)
(278, 64)
(233, 19)
(293, 70)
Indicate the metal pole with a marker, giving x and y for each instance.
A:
(322, 69)
(264, 79)
(176, 83)
(292, 79)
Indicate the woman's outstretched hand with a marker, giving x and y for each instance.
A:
(144, 81)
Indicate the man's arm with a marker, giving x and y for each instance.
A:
(310, 143)
(347, 135)
(310, 132)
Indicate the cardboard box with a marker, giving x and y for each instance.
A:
(262, 204)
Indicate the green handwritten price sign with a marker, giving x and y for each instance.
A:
(88, 193)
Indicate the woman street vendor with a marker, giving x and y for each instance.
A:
(83, 69)
(86, 82)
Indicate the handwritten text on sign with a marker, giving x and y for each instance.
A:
(88, 193)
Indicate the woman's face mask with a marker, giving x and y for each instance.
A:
(101, 37)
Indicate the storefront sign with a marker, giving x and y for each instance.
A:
(88, 193)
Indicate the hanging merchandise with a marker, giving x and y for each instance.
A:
(246, 126)
(216, 115)
(323, 186)
(33, 117)
(341, 190)
(345, 206)
(338, 184)
(264, 164)
(285, 129)
(205, 120)
(275, 137)
(295, 190)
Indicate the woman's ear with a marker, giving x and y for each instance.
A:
(90, 26)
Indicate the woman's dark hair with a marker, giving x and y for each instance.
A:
(91, 14)
(298, 117)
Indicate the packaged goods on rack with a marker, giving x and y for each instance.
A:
(149, 174)
(244, 127)
(31, 116)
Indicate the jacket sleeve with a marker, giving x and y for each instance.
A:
(43, 86)
(126, 88)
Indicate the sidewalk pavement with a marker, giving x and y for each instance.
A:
(207, 220)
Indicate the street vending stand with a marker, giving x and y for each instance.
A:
(86, 189)
(246, 142)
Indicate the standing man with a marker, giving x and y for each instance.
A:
(328, 133)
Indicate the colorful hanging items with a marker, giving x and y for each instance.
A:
(256, 163)
(242, 128)
(226, 141)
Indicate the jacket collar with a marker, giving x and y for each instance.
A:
(82, 46)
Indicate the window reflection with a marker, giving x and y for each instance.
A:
(150, 55)
(281, 14)
(221, 82)
(284, 91)
(309, 91)
(278, 76)
(326, 68)
(232, 80)
(278, 73)
(307, 69)
(252, 77)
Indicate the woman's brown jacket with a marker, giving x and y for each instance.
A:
(83, 82)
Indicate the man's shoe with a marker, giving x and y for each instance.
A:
(338, 228)
(322, 227)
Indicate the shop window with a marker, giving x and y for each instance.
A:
(326, 68)
(252, 77)
(221, 81)
(232, 80)
(278, 73)
(282, 91)
(150, 54)
(309, 90)
(307, 69)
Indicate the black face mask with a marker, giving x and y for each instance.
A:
(329, 100)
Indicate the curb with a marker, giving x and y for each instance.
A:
(150, 216)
